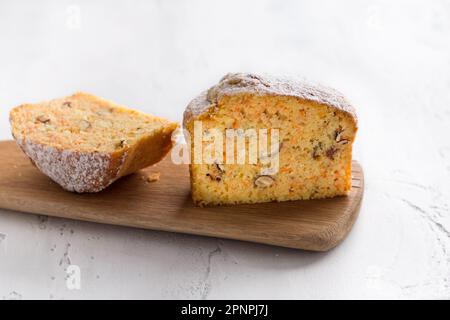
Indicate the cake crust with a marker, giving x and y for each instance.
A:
(247, 83)
(81, 172)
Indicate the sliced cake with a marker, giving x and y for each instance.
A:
(85, 143)
(309, 129)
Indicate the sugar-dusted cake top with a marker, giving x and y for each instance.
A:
(239, 83)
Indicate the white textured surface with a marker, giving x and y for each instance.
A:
(390, 58)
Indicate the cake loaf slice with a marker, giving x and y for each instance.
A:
(85, 143)
(315, 126)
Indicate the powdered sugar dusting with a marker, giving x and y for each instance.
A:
(237, 83)
(74, 171)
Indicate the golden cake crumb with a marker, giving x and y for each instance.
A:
(317, 127)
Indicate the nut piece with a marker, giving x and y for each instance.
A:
(337, 133)
(151, 177)
(122, 143)
(216, 171)
(67, 104)
(214, 177)
(220, 167)
(264, 181)
(338, 136)
(234, 81)
(43, 119)
(259, 79)
(84, 125)
(331, 151)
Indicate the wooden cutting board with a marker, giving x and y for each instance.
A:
(317, 225)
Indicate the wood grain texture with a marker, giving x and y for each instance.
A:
(316, 225)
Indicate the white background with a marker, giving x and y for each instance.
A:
(391, 59)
